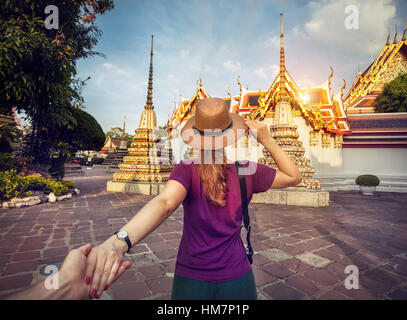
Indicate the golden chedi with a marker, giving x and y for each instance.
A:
(149, 162)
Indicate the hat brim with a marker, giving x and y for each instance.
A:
(202, 142)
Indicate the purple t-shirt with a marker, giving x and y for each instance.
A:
(211, 247)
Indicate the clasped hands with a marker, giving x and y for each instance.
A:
(87, 272)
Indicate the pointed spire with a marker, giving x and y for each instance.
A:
(149, 101)
(395, 37)
(282, 57)
(388, 39)
(404, 33)
(124, 126)
(239, 83)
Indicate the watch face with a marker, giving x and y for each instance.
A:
(122, 234)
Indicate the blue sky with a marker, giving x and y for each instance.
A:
(219, 40)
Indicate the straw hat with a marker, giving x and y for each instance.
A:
(212, 127)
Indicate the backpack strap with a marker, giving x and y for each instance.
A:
(245, 209)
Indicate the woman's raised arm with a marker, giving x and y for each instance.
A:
(288, 174)
(104, 260)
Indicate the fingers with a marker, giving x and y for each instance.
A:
(98, 273)
(113, 274)
(111, 261)
(90, 266)
(85, 249)
(104, 271)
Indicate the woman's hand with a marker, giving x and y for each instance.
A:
(259, 130)
(105, 265)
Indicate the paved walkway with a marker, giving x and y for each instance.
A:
(300, 252)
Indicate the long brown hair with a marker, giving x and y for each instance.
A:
(213, 178)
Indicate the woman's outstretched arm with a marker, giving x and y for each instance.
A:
(288, 173)
(105, 259)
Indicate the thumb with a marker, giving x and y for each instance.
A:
(85, 249)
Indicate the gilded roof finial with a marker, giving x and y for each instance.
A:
(359, 70)
(149, 102)
(239, 83)
(329, 82)
(404, 33)
(247, 86)
(388, 39)
(343, 88)
(200, 80)
(332, 73)
(395, 37)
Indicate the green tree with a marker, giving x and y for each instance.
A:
(117, 133)
(86, 135)
(394, 96)
(38, 65)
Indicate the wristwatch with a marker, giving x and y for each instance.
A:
(121, 234)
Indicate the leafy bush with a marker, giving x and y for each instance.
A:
(96, 160)
(367, 180)
(8, 161)
(69, 184)
(12, 185)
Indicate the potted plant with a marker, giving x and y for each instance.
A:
(367, 184)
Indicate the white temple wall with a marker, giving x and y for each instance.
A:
(386, 163)
(336, 168)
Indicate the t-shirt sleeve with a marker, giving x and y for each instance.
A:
(182, 173)
(263, 178)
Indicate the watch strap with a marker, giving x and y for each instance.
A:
(127, 241)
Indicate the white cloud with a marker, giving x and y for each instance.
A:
(232, 66)
(173, 78)
(260, 72)
(107, 65)
(184, 53)
(268, 73)
(327, 24)
(110, 66)
(298, 32)
(274, 70)
(272, 41)
(211, 70)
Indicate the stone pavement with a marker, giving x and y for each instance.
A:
(300, 252)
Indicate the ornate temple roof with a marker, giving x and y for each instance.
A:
(186, 108)
(111, 144)
(391, 62)
(316, 105)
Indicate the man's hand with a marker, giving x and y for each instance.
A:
(71, 283)
(73, 272)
